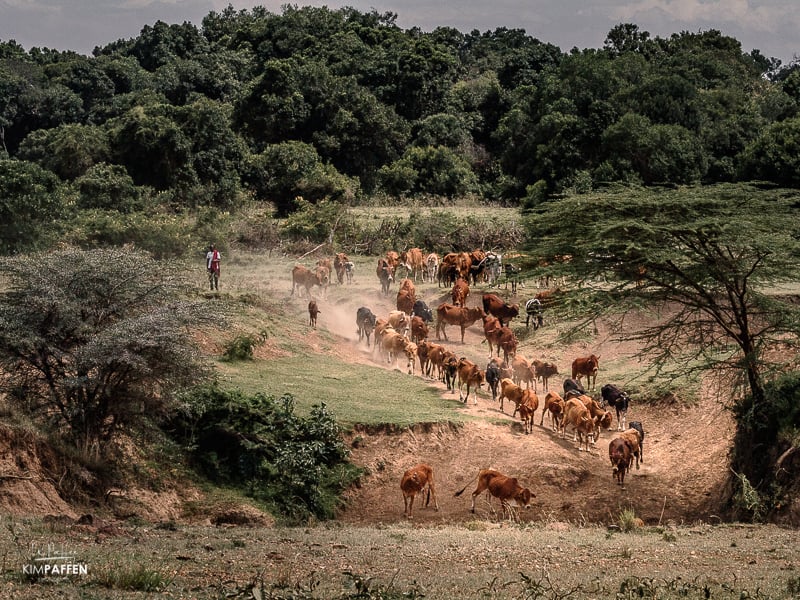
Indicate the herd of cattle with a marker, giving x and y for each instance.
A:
(403, 334)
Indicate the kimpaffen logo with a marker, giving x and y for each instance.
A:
(53, 561)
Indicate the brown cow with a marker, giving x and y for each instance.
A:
(527, 409)
(419, 329)
(491, 328)
(602, 418)
(305, 277)
(471, 375)
(507, 342)
(340, 266)
(495, 305)
(394, 344)
(507, 489)
(400, 321)
(460, 292)
(325, 262)
(413, 261)
(523, 372)
(577, 416)
(313, 311)
(463, 264)
(544, 371)
(393, 258)
(436, 356)
(588, 366)
(635, 437)
(554, 406)
(417, 480)
(517, 395)
(620, 453)
(423, 354)
(447, 314)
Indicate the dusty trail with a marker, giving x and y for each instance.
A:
(680, 479)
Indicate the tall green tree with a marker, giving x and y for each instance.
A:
(32, 200)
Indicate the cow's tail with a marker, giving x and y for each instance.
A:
(469, 483)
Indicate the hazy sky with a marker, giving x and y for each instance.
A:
(772, 26)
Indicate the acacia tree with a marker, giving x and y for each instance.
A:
(710, 255)
(706, 259)
(92, 342)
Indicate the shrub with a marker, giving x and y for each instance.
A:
(296, 466)
(241, 347)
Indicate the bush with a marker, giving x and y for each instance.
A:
(163, 235)
(761, 434)
(296, 466)
(94, 342)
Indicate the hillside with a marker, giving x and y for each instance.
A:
(685, 449)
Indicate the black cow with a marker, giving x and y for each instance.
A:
(493, 376)
(533, 310)
(421, 310)
(365, 321)
(617, 399)
(572, 389)
(637, 425)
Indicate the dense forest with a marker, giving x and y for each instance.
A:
(343, 106)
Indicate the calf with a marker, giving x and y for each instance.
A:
(507, 489)
(632, 437)
(340, 266)
(313, 311)
(507, 342)
(417, 480)
(400, 321)
(431, 266)
(618, 400)
(385, 273)
(510, 390)
(602, 418)
(523, 372)
(637, 425)
(460, 292)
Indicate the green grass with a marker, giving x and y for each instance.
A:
(353, 393)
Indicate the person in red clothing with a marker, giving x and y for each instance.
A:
(212, 265)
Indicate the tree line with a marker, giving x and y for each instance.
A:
(344, 105)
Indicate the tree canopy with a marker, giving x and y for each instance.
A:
(184, 109)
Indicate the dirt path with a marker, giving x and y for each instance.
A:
(680, 479)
